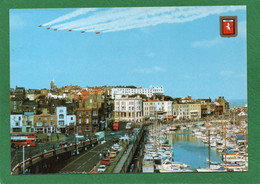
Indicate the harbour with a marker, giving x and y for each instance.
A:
(206, 146)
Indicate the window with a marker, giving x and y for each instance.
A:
(61, 110)
(16, 124)
(61, 123)
(45, 123)
(19, 118)
(87, 129)
(51, 117)
(61, 116)
(79, 121)
(71, 118)
(79, 113)
(94, 113)
(87, 121)
(51, 123)
(45, 118)
(39, 124)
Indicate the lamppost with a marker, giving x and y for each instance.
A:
(23, 159)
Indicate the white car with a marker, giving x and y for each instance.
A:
(102, 168)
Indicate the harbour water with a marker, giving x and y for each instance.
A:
(192, 151)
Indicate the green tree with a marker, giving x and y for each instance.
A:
(41, 97)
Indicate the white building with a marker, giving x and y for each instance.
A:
(61, 118)
(71, 120)
(128, 109)
(164, 109)
(149, 92)
(64, 95)
(180, 110)
(16, 122)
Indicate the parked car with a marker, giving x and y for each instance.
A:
(102, 168)
(113, 154)
(110, 158)
(106, 161)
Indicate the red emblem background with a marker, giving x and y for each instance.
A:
(227, 31)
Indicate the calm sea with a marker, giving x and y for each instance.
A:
(237, 103)
(192, 151)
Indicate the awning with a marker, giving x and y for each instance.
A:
(170, 117)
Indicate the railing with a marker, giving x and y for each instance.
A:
(54, 152)
(132, 151)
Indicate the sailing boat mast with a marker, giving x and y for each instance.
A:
(225, 145)
(209, 146)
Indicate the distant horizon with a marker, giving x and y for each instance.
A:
(230, 100)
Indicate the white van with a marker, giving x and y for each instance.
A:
(128, 126)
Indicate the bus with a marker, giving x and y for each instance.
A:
(115, 125)
(23, 139)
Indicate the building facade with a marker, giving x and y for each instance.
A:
(128, 109)
(152, 106)
(61, 113)
(28, 122)
(180, 110)
(16, 122)
(45, 123)
(149, 92)
(194, 110)
(84, 119)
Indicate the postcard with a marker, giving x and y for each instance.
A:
(128, 90)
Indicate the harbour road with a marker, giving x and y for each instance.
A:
(85, 162)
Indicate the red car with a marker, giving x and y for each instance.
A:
(106, 161)
(110, 158)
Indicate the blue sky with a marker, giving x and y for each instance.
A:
(177, 48)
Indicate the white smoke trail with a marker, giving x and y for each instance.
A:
(120, 19)
(71, 15)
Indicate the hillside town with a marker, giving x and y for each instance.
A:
(92, 109)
